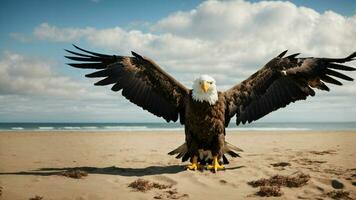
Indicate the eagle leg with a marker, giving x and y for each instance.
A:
(195, 165)
(216, 165)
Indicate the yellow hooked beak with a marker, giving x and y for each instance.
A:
(205, 86)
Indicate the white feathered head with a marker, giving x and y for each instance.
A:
(204, 89)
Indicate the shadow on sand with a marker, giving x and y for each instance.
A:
(152, 170)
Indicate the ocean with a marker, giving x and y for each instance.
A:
(262, 126)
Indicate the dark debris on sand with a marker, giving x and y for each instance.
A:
(339, 194)
(269, 191)
(74, 174)
(144, 185)
(323, 152)
(279, 180)
(223, 181)
(0, 190)
(171, 194)
(281, 164)
(307, 161)
(36, 198)
(272, 186)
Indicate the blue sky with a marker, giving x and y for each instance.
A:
(34, 34)
(22, 16)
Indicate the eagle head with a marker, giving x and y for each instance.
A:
(204, 89)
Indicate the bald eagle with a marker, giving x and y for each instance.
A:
(204, 111)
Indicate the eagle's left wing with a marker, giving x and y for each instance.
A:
(140, 79)
(281, 81)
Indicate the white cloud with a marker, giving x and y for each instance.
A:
(264, 27)
(236, 37)
(52, 33)
(228, 39)
(32, 90)
(21, 75)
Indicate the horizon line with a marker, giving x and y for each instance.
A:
(175, 122)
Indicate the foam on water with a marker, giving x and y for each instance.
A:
(72, 127)
(46, 128)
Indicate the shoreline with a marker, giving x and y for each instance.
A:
(174, 127)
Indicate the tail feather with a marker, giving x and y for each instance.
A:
(233, 154)
(182, 152)
(182, 149)
(231, 147)
(185, 157)
(180, 155)
(225, 160)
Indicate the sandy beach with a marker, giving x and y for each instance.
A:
(31, 164)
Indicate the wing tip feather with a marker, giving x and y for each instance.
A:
(136, 55)
(282, 54)
(293, 55)
(351, 56)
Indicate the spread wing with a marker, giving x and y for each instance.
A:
(142, 81)
(281, 81)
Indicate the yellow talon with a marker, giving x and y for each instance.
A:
(195, 165)
(215, 166)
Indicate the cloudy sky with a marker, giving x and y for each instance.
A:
(226, 39)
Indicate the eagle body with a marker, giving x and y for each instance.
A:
(203, 110)
(205, 129)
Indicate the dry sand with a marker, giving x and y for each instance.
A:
(31, 164)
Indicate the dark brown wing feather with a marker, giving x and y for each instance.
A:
(280, 82)
(142, 81)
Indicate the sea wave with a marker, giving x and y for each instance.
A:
(72, 127)
(90, 127)
(17, 128)
(45, 128)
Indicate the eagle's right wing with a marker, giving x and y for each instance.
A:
(281, 81)
(141, 80)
